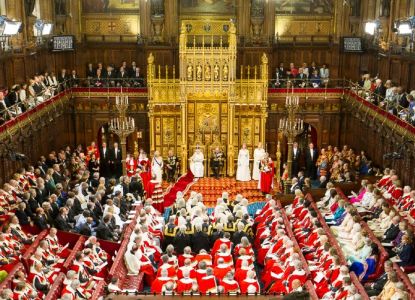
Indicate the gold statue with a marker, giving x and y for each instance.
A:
(225, 72)
(216, 72)
(199, 72)
(264, 58)
(150, 59)
(207, 72)
(189, 72)
(232, 28)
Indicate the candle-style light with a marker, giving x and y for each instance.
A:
(122, 125)
(291, 126)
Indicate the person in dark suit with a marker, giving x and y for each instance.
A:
(33, 204)
(393, 230)
(136, 186)
(281, 71)
(21, 214)
(311, 156)
(40, 219)
(239, 234)
(103, 230)
(217, 234)
(379, 91)
(105, 160)
(301, 179)
(181, 240)
(97, 210)
(200, 240)
(90, 71)
(110, 76)
(323, 182)
(406, 252)
(295, 159)
(54, 206)
(375, 288)
(295, 185)
(62, 79)
(86, 228)
(61, 222)
(116, 158)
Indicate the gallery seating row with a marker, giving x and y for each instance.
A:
(334, 243)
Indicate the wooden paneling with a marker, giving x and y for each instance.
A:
(53, 136)
(360, 135)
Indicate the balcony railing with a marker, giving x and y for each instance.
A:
(403, 117)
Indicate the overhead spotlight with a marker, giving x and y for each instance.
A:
(370, 27)
(9, 27)
(404, 28)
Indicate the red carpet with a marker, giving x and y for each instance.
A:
(179, 186)
(212, 189)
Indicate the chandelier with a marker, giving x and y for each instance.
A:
(122, 125)
(291, 126)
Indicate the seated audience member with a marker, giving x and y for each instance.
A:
(389, 288)
(375, 288)
(405, 253)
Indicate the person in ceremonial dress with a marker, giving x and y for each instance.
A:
(171, 166)
(266, 181)
(196, 163)
(243, 173)
(144, 168)
(217, 161)
(157, 167)
(131, 165)
(258, 156)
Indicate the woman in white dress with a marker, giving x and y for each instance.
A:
(259, 153)
(243, 173)
(157, 166)
(196, 163)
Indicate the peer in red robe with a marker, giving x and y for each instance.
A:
(229, 284)
(131, 165)
(155, 192)
(249, 285)
(184, 285)
(159, 282)
(207, 284)
(267, 176)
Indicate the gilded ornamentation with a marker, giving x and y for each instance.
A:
(225, 72)
(206, 96)
(150, 58)
(189, 72)
(216, 71)
(207, 72)
(199, 72)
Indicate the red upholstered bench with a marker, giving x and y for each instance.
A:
(29, 252)
(7, 282)
(311, 290)
(359, 286)
(56, 288)
(71, 257)
(405, 279)
(98, 290)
